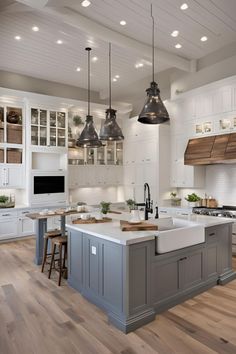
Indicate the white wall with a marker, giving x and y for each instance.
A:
(221, 183)
(95, 195)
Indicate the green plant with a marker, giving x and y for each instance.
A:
(130, 203)
(3, 198)
(192, 198)
(77, 120)
(173, 194)
(105, 207)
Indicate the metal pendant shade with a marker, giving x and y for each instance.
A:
(89, 136)
(154, 110)
(110, 129)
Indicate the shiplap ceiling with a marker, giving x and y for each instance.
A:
(38, 55)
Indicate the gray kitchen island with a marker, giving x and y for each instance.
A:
(123, 273)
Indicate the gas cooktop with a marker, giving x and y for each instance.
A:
(225, 211)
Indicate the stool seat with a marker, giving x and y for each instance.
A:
(59, 240)
(52, 233)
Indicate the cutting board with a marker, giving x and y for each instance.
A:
(91, 221)
(142, 226)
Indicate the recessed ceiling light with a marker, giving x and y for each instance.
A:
(139, 65)
(18, 38)
(175, 33)
(59, 41)
(184, 6)
(114, 79)
(94, 58)
(78, 69)
(123, 23)
(35, 28)
(204, 39)
(178, 46)
(117, 76)
(86, 3)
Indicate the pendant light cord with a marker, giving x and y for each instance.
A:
(88, 49)
(110, 75)
(153, 50)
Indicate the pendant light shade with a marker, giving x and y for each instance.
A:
(110, 129)
(89, 136)
(154, 110)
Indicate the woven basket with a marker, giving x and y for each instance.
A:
(1, 156)
(14, 156)
(7, 205)
(14, 133)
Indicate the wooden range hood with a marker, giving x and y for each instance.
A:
(211, 150)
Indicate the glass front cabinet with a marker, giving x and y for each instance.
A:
(11, 134)
(48, 128)
(110, 153)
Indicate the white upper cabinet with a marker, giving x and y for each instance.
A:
(222, 100)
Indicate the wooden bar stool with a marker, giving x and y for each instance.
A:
(48, 236)
(61, 242)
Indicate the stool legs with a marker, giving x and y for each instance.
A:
(44, 254)
(52, 260)
(61, 264)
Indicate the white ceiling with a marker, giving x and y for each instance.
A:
(38, 55)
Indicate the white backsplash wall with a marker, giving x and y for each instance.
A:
(221, 183)
(95, 195)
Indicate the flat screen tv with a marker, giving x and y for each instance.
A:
(49, 184)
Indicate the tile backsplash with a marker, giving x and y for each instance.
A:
(220, 184)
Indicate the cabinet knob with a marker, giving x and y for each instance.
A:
(182, 259)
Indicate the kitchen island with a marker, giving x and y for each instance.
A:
(123, 273)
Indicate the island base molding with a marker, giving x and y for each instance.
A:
(226, 278)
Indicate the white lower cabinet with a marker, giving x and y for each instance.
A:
(8, 225)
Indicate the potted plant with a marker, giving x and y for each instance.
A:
(193, 199)
(175, 201)
(77, 120)
(131, 204)
(6, 202)
(105, 207)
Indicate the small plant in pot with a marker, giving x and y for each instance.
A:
(175, 201)
(131, 204)
(193, 199)
(105, 207)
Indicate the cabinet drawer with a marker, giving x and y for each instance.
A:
(8, 214)
(234, 239)
(211, 235)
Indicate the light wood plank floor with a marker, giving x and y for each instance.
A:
(38, 317)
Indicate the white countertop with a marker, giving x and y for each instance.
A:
(111, 231)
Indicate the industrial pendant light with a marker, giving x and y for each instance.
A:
(89, 136)
(110, 130)
(154, 111)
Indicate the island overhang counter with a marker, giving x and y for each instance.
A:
(122, 273)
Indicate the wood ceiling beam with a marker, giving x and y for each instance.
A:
(76, 20)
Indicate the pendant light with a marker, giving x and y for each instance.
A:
(89, 136)
(154, 111)
(110, 130)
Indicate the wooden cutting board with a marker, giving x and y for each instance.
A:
(142, 226)
(91, 221)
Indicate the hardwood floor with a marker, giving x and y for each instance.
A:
(38, 317)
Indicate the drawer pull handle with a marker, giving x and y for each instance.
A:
(6, 214)
(182, 259)
(234, 233)
(212, 234)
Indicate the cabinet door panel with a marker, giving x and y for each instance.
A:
(8, 228)
(211, 260)
(26, 227)
(193, 269)
(164, 279)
